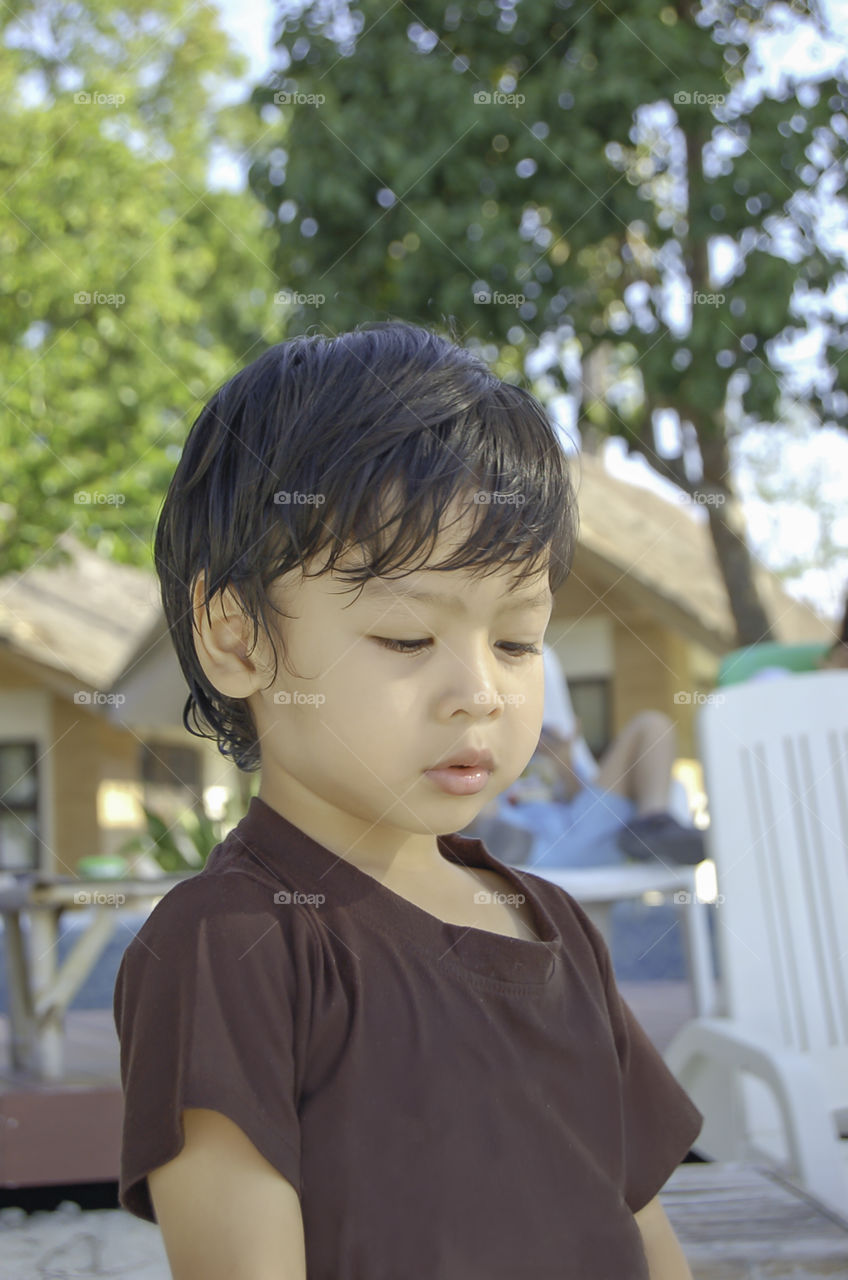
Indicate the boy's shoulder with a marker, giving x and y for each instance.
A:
(217, 933)
(225, 902)
(219, 882)
(238, 877)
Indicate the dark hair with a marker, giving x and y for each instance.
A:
(388, 409)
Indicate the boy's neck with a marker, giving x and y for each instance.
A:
(378, 850)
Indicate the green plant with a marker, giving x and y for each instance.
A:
(183, 845)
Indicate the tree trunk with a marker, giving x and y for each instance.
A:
(727, 527)
(726, 517)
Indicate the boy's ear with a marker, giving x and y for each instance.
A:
(222, 641)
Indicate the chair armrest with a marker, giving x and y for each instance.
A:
(811, 1131)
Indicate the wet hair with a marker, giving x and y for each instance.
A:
(361, 440)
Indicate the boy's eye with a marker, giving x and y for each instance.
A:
(415, 646)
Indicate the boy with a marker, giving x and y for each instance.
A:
(356, 1046)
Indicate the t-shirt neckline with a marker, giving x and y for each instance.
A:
(286, 847)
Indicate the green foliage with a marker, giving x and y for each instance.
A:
(612, 151)
(128, 290)
(184, 845)
(614, 157)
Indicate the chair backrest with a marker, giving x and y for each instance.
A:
(741, 664)
(775, 758)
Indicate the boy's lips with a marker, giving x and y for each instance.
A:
(464, 773)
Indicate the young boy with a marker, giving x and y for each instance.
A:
(356, 1046)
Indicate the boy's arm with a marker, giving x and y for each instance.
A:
(224, 1212)
(666, 1259)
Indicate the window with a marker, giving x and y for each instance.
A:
(166, 765)
(20, 838)
(171, 779)
(591, 699)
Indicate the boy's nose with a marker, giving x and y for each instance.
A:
(472, 687)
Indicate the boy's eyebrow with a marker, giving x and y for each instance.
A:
(381, 587)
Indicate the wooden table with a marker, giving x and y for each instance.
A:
(744, 1222)
(597, 889)
(40, 990)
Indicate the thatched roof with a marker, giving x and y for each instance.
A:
(79, 620)
(662, 550)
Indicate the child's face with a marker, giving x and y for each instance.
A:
(347, 741)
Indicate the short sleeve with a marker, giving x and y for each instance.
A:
(209, 1007)
(660, 1121)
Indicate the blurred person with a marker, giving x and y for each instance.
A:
(588, 812)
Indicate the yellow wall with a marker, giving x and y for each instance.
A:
(653, 667)
(87, 750)
(13, 676)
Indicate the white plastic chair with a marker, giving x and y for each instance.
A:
(771, 1073)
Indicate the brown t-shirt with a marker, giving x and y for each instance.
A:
(449, 1103)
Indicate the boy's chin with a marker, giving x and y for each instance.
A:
(489, 809)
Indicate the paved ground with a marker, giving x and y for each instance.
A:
(72, 1244)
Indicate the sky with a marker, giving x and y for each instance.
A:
(776, 531)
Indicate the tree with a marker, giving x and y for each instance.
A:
(129, 290)
(538, 171)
